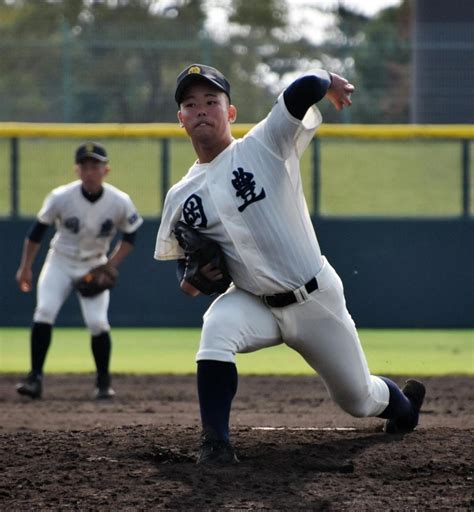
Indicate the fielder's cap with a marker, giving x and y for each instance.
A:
(91, 150)
(197, 72)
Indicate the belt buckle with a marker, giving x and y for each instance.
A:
(301, 294)
(264, 298)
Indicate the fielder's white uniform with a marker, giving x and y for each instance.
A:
(250, 200)
(84, 231)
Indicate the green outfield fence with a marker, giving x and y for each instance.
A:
(392, 207)
(351, 170)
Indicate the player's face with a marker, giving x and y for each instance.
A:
(205, 113)
(92, 173)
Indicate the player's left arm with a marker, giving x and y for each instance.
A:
(186, 287)
(122, 249)
(129, 226)
(209, 271)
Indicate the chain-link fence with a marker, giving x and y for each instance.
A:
(91, 61)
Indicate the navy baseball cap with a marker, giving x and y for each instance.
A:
(197, 72)
(91, 150)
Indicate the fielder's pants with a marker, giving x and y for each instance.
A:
(55, 283)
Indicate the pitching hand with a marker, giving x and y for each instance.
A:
(339, 92)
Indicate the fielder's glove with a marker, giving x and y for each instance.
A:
(199, 251)
(97, 280)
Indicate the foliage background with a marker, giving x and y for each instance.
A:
(116, 60)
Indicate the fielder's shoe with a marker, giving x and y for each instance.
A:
(216, 451)
(104, 393)
(103, 390)
(414, 390)
(32, 386)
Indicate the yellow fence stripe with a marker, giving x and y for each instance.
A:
(172, 130)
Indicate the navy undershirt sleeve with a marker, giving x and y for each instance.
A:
(129, 237)
(306, 91)
(37, 231)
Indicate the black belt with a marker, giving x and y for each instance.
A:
(280, 300)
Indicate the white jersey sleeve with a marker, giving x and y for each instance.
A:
(167, 247)
(131, 219)
(50, 208)
(285, 135)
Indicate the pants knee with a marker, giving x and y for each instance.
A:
(358, 409)
(44, 316)
(217, 341)
(98, 327)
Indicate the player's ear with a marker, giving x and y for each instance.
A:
(180, 118)
(107, 169)
(77, 170)
(232, 113)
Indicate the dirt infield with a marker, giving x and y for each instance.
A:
(67, 452)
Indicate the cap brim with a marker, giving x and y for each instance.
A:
(193, 77)
(95, 156)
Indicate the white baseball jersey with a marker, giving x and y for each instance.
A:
(84, 229)
(250, 200)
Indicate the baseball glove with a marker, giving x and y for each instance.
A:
(97, 280)
(199, 251)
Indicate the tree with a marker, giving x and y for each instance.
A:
(117, 60)
(375, 54)
(94, 61)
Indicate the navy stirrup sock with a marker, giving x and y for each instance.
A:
(217, 385)
(101, 347)
(39, 343)
(398, 406)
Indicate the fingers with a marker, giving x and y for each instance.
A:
(24, 286)
(209, 271)
(24, 279)
(339, 92)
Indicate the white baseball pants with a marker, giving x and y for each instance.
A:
(319, 328)
(55, 283)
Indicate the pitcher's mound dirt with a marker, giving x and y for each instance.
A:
(298, 451)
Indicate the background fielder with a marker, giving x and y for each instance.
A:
(247, 195)
(87, 214)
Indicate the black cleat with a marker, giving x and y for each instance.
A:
(216, 451)
(103, 390)
(414, 390)
(32, 387)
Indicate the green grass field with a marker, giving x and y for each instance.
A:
(358, 177)
(141, 351)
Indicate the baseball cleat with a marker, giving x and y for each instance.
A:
(216, 451)
(414, 390)
(104, 393)
(32, 387)
(103, 390)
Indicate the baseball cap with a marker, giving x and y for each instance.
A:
(196, 72)
(91, 150)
